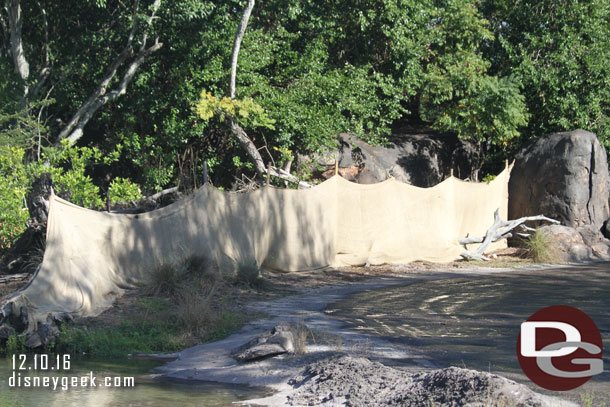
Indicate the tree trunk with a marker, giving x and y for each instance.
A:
(22, 67)
(241, 30)
(238, 132)
(249, 148)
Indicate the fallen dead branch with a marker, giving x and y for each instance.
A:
(499, 230)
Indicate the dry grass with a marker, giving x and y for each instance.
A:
(301, 334)
(165, 279)
(184, 302)
(541, 249)
(249, 274)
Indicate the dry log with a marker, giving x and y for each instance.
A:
(14, 277)
(499, 230)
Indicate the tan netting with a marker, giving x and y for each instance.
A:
(92, 256)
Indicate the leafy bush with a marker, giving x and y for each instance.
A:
(14, 344)
(68, 166)
(123, 190)
(14, 182)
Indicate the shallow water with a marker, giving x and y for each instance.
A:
(474, 321)
(147, 391)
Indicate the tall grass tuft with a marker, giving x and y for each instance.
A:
(249, 274)
(165, 279)
(541, 248)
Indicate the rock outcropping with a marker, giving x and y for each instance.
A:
(563, 176)
(284, 338)
(422, 159)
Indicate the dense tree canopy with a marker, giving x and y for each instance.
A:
(134, 74)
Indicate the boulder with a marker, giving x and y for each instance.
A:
(568, 243)
(277, 341)
(422, 159)
(563, 176)
(600, 246)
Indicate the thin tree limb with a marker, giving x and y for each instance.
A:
(45, 71)
(102, 99)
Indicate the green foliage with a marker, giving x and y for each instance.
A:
(13, 189)
(123, 190)
(151, 157)
(458, 94)
(14, 344)
(491, 109)
(143, 337)
(490, 71)
(559, 53)
(245, 111)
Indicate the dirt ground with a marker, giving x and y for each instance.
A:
(278, 284)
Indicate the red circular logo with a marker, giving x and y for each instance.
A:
(560, 348)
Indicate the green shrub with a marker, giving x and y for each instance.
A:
(68, 166)
(129, 337)
(123, 190)
(14, 182)
(15, 344)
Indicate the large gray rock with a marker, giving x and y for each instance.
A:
(563, 176)
(568, 244)
(278, 341)
(422, 159)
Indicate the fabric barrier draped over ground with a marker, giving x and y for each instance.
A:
(92, 256)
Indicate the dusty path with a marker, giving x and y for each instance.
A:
(212, 362)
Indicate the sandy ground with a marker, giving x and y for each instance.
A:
(212, 362)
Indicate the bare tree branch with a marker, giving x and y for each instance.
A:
(99, 97)
(241, 30)
(90, 108)
(499, 230)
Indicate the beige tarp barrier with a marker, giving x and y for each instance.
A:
(92, 256)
